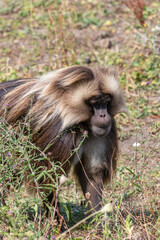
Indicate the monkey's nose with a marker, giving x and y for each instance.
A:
(102, 115)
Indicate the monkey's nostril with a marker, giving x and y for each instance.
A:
(102, 115)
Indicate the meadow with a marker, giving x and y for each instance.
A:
(38, 36)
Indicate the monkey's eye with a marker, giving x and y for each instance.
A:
(106, 98)
(99, 101)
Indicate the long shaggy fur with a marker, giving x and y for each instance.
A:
(55, 105)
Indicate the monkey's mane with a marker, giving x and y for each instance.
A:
(57, 100)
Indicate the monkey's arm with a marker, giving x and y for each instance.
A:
(92, 186)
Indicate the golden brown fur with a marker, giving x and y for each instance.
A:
(62, 94)
(57, 103)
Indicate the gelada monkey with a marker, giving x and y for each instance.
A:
(61, 107)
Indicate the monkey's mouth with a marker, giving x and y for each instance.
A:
(100, 131)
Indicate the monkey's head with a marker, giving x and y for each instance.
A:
(85, 95)
(72, 96)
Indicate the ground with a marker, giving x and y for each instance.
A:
(37, 36)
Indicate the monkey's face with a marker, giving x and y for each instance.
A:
(100, 121)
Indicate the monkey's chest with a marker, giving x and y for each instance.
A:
(92, 154)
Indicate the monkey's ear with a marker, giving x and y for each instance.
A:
(118, 105)
(71, 75)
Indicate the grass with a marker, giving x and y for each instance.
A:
(39, 36)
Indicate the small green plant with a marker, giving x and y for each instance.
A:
(18, 157)
(128, 225)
